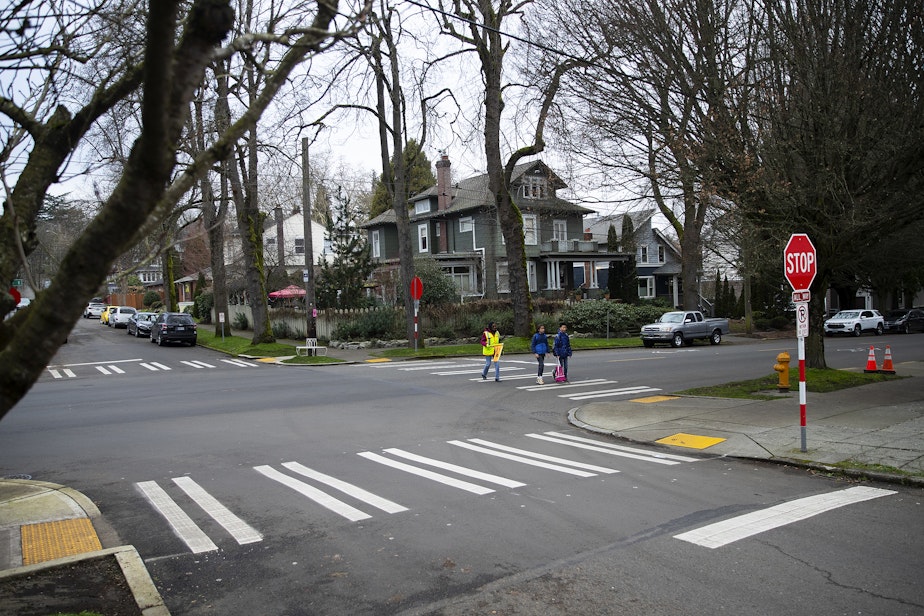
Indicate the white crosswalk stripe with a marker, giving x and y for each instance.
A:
(612, 449)
(110, 369)
(532, 458)
(240, 363)
(455, 468)
(322, 498)
(155, 366)
(422, 472)
(347, 488)
(182, 524)
(197, 364)
(624, 391)
(242, 532)
(743, 526)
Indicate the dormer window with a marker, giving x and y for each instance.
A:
(422, 207)
(535, 187)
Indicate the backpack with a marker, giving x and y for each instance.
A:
(559, 374)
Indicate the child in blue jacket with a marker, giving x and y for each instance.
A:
(562, 348)
(539, 346)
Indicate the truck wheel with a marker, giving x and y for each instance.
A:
(648, 343)
(716, 337)
(677, 340)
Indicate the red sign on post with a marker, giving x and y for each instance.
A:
(799, 262)
(416, 288)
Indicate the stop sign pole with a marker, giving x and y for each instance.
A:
(800, 264)
(416, 294)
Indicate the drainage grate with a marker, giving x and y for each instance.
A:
(17, 477)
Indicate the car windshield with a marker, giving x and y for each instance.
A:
(671, 317)
(897, 314)
(847, 314)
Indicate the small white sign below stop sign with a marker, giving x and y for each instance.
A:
(799, 262)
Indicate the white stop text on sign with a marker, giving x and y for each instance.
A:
(800, 262)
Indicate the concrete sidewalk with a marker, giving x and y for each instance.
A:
(876, 425)
(46, 525)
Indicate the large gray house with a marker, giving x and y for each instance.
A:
(456, 224)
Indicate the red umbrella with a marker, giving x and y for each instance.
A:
(289, 291)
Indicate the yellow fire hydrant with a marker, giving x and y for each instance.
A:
(782, 366)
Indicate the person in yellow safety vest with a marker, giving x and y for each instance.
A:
(490, 337)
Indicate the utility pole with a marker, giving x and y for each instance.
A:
(308, 272)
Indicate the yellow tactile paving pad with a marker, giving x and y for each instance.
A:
(651, 399)
(692, 441)
(266, 360)
(50, 540)
(377, 360)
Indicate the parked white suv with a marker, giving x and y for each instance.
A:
(854, 322)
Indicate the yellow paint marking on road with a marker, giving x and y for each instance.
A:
(377, 360)
(651, 399)
(51, 540)
(266, 360)
(692, 441)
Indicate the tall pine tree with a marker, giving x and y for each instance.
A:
(341, 282)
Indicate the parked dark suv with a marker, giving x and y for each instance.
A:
(173, 327)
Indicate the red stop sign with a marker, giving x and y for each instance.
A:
(416, 288)
(799, 262)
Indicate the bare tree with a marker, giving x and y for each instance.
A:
(655, 75)
(483, 31)
(170, 67)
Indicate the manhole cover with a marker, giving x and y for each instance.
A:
(17, 476)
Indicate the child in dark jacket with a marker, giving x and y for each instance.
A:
(562, 348)
(539, 346)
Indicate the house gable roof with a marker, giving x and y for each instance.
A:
(472, 194)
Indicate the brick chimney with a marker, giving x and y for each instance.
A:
(442, 182)
(442, 198)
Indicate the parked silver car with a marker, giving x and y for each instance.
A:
(120, 316)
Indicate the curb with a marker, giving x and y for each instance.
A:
(136, 575)
(852, 473)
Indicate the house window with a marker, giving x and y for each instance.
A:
(559, 230)
(271, 241)
(376, 244)
(461, 276)
(660, 254)
(422, 207)
(643, 254)
(530, 234)
(422, 238)
(535, 187)
(466, 225)
(646, 287)
(503, 277)
(531, 276)
(436, 229)
(299, 245)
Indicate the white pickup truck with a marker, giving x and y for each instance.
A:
(682, 328)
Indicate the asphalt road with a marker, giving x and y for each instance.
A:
(417, 488)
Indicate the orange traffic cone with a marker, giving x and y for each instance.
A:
(887, 362)
(871, 361)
